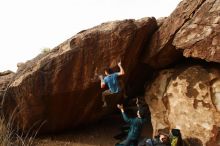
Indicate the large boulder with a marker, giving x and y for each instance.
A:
(187, 98)
(200, 36)
(192, 30)
(60, 89)
(160, 52)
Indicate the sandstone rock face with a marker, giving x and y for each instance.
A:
(192, 30)
(187, 98)
(160, 52)
(5, 78)
(161, 20)
(200, 37)
(61, 88)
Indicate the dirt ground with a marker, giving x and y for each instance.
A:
(99, 134)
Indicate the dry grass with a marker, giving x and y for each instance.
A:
(10, 136)
(4, 134)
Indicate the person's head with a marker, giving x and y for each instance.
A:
(140, 113)
(164, 135)
(108, 71)
(164, 138)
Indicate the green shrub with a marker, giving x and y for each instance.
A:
(45, 50)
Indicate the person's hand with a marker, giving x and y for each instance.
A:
(120, 106)
(100, 77)
(119, 63)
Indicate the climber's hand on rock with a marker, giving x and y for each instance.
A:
(100, 77)
(120, 106)
(119, 63)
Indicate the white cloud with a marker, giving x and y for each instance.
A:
(27, 26)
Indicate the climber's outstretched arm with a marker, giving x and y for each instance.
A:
(121, 72)
(125, 117)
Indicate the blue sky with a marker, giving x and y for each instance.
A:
(28, 26)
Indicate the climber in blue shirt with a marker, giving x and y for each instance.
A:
(111, 80)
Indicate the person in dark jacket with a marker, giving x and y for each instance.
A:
(136, 125)
(160, 140)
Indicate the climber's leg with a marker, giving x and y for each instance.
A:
(104, 94)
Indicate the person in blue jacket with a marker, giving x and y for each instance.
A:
(135, 124)
(111, 80)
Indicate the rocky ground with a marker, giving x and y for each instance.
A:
(100, 134)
